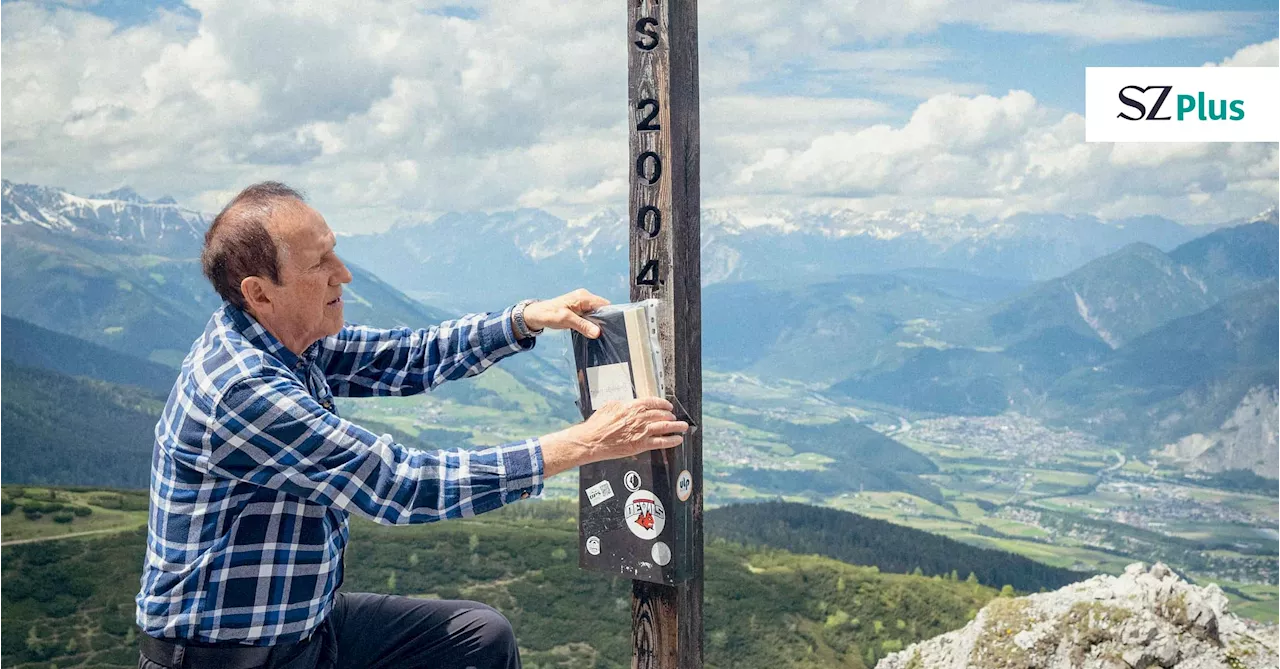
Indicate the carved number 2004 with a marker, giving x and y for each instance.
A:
(649, 163)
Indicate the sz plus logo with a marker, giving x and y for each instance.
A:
(1137, 99)
(1181, 104)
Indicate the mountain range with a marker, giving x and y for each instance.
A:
(1068, 318)
(1138, 345)
(460, 258)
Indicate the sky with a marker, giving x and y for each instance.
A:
(401, 111)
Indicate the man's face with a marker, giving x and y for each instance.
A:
(307, 303)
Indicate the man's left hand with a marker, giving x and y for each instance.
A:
(565, 313)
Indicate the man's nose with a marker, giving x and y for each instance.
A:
(344, 276)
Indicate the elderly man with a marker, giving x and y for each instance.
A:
(254, 473)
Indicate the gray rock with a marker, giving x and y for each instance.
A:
(1203, 618)
(1142, 619)
(1165, 652)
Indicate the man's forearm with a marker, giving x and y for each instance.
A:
(367, 362)
(618, 429)
(562, 451)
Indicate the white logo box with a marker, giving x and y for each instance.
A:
(1255, 89)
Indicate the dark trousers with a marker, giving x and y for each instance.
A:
(377, 631)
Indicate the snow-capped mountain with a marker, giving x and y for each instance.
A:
(120, 215)
(459, 257)
(122, 271)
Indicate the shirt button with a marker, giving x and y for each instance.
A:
(524, 495)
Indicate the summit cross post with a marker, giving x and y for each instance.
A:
(664, 207)
(641, 517)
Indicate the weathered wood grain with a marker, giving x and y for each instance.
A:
(667, 627)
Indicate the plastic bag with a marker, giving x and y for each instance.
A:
(624, 362)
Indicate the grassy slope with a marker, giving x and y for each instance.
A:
(70, 601)
(861, 540)
(62, 430)
(110, 511)
(30, 345)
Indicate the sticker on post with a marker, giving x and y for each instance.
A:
(661, 553)
(593, 545)
(599, 492)
(632, 480)
(644, 515)
(684, 485)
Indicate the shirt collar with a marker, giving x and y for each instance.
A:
(260, 337)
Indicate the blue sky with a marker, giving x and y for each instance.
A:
(1050, 67)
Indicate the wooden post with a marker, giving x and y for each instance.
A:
(662, 40)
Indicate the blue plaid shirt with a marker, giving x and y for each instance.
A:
(254, 474)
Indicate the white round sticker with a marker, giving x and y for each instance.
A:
(661, 554)
(632, 480)
(644, 514)
(593, 545)
(684, 485)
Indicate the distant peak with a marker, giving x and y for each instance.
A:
(124, 194)
(1138, 249)
(1271, 215)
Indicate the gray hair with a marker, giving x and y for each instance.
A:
(240, 243)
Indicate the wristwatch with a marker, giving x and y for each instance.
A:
(522, 328)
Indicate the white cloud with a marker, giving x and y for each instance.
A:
(995, 156)
(409, 106)
(409, 111)
(1266, 54)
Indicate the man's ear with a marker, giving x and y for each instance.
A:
(256, 294)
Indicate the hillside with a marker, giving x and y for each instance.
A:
(857, 457)
(1241, 443)
(1234, 258)
(869, 319)
(1138, 345)
(64, 430)
(1114, 298)
(856, 539)
(30, 345)
(959, 381)
(71, 601)
(1186, 377)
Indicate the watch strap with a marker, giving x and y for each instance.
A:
(522, 328)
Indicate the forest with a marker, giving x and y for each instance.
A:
(70, 602)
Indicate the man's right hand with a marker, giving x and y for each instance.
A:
(615, 430)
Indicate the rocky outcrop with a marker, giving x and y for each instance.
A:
(1143, 619)
(1247, 440)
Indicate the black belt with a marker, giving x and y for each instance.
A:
(183, 654)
